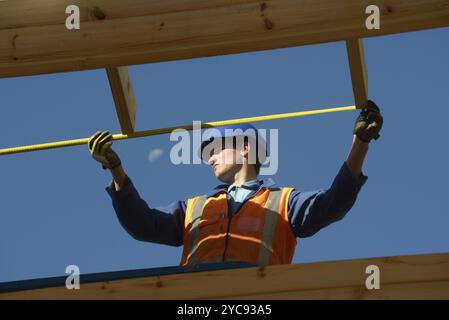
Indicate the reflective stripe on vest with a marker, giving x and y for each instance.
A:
(195, 230)
(272, 215)
(271, 219)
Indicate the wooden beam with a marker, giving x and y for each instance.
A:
(403, 277)
(34, 39)
(358, 71)
(122, 92)
(411, 291)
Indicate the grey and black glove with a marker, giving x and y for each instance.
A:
(100, 148)
(368, 123)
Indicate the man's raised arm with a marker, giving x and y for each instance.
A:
(309, 212)
(162, 225)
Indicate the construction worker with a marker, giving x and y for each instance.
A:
(244, 219)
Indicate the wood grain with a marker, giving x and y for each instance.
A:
(417, 276)
(122, 92)
(34, 40)
(357, 67)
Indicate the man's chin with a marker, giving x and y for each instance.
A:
(222, 177)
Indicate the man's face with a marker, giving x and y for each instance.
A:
(225, 160)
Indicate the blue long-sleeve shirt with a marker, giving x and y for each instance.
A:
(308, 211)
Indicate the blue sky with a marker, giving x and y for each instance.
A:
(54, 209)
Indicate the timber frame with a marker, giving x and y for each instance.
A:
(115, 34)
(34, 39)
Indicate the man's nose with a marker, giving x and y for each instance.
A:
(212, 160)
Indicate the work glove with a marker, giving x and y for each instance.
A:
(369, 123)
(100, 148)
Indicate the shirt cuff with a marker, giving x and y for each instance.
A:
(347, 176)
(126, 189)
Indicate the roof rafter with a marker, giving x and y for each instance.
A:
(36, 41)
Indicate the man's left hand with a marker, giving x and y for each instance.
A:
(369, 123)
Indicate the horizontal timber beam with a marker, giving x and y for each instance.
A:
(423, 276)
(34, 39)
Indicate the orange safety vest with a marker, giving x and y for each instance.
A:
(259, 232)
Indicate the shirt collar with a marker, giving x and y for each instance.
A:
(265, 183)
(250, 184)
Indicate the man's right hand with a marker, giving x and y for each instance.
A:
(100, 148)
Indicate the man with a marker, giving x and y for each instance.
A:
(244, 219)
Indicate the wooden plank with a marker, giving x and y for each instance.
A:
(356, 57)
(34, 39)
(299, 278)
(29, 13)
(122, 92)
(430, 290)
